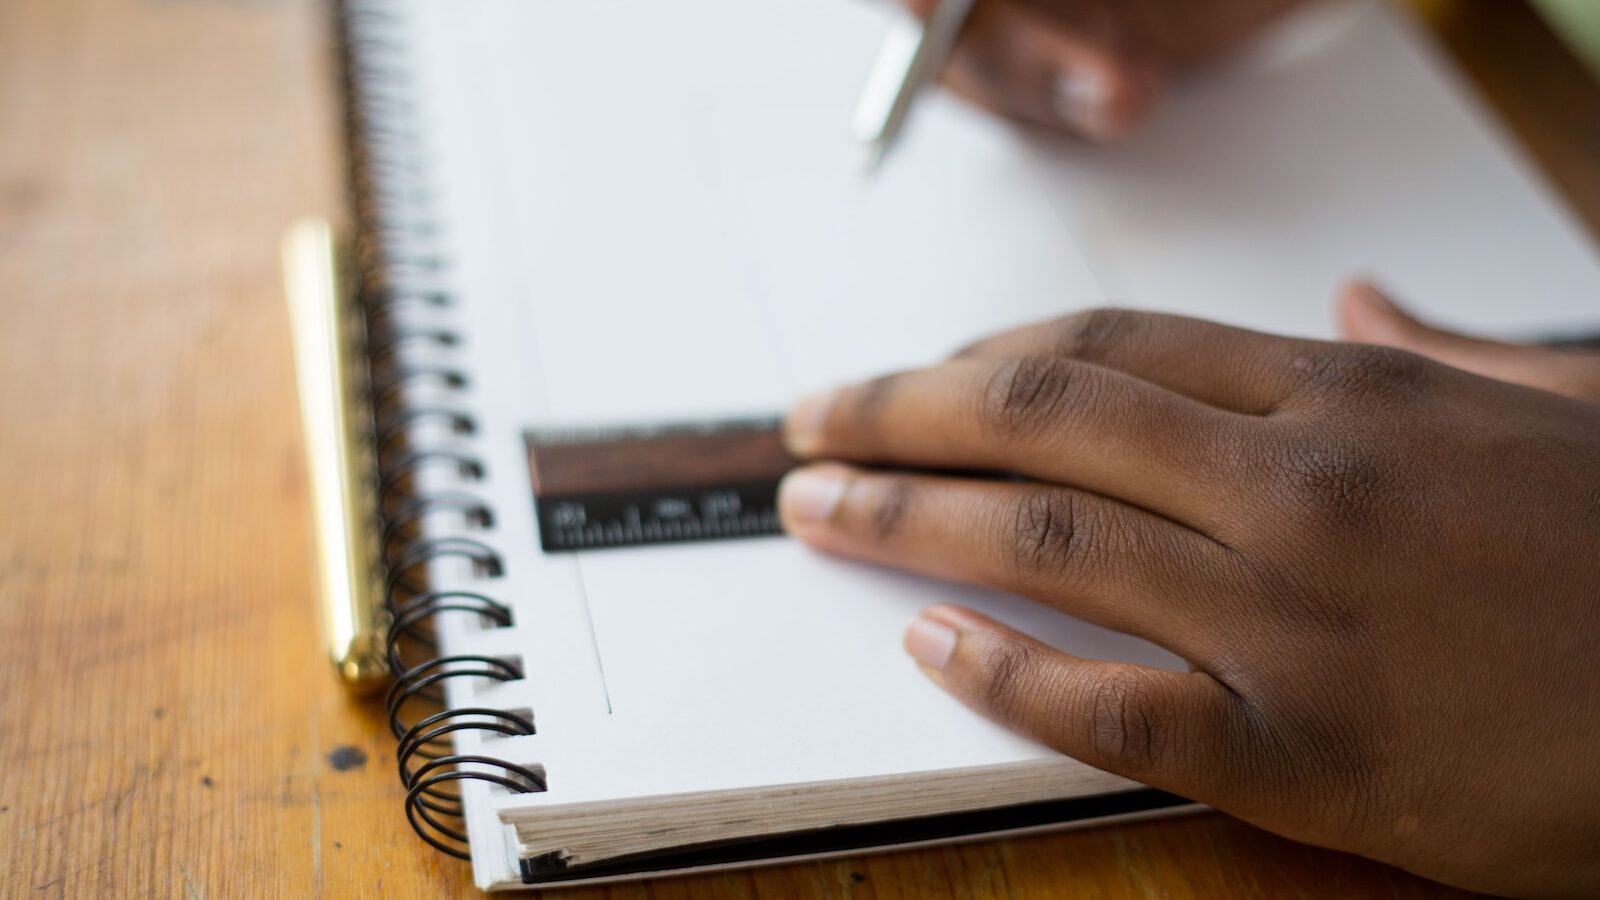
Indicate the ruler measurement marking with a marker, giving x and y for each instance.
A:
(693, 517)
(656, 484)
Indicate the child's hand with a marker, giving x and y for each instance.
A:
(1383, 571)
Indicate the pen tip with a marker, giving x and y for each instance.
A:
(876, 151)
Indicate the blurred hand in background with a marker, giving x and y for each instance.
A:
(1091, 67)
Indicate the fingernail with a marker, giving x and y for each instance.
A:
(802, 430)
(809, 496)
(1081, 99)
(930, 641)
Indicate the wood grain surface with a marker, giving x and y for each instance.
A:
(167, 725)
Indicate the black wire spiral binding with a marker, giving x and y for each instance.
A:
(392, 207)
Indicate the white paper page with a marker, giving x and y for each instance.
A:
(656, 213)
(1344, 148)
(691, 245)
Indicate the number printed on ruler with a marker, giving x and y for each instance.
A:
(653, 484)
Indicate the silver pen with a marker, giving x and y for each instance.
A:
(913, 54)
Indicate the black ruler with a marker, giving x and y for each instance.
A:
(656, 484)
(628, 518)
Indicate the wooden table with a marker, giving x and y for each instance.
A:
(167, 727)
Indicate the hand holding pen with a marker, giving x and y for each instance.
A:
(1093, 68)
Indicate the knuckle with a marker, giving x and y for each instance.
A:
(1334, 757)
(1009, 688)
(891, 507)
(1373, 375)
(1392, 367)
(1049, 534)
(1124, 722)
(1025, 395)
(1096, 334)
(1340, 483)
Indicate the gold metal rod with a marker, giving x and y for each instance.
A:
(338, 455)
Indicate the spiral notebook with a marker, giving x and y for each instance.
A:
(601, 244)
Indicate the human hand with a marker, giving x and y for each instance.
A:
(1366, 315)
(1093, 67)
(1384, 572)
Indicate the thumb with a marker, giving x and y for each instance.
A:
(1178, 731)
(1367, 315)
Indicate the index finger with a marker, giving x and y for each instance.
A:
(1233, 368)
(1054, 419)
